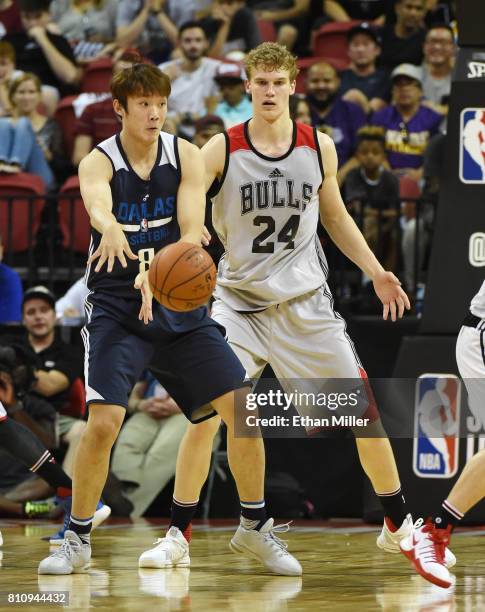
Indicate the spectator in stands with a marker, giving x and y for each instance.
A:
(290, 17)
(145, 453)
(98, 121)
(206, 127)
(361, 10)
(362, 82)
(10, 22)
(235, 106)
(402, 41)
(42, 52)
(29, 141)
(10, 293)
(439, 59)
(409, 124)
(194, 91)
(59, 364)
(338, 118)
(372, 192)
(89, 25)
(147, 25)
(300, 110)
(231, 28)
(8, 73)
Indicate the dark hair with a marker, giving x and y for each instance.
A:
(188, 25)
(139, 80)
(295, 99)
(371, 133)
(32, 6)
(441, 26)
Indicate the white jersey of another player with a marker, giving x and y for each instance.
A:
(265, 213)
(477, 306)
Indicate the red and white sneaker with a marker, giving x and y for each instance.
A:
(425, 547)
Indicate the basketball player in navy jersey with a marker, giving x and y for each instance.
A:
(144, 189)
(269, 180)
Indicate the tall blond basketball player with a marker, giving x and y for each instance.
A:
(426, 548)
(270, 179)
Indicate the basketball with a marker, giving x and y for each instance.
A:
(182, 276)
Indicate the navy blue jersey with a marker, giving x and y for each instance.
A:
(146, 210)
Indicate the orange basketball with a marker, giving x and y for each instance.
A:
(182, 276)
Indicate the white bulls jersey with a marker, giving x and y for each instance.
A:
(477, 306)
(265, 213)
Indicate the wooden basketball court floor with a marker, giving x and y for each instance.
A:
(343, 571)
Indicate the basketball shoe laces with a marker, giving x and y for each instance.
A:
(68, 549)
(432, 546)
(280, 546)
(170, 542)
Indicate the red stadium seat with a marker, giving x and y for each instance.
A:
(409, 188)
(97, 76)
(67, 121)
(330, 40)
(76, 228)
(267, 30)
(75, 405)
(305, 63)
(24, 224)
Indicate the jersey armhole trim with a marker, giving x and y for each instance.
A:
(104, 153)
(217, 183)
(177, 155)
(319, 155)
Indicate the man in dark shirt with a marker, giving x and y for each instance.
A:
(59, 366)
(336, 117)
(37, 50)
(362, 82)
(402, 42)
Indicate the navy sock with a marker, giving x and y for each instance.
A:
(181, 516)
(81, 527)
(394, 506)
(253, 514)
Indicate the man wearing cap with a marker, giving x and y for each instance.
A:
(235, 106)
(364, 83)
(408, 123)
(60, 364)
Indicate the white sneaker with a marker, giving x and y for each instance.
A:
(170, 551)
(425, 548)
(73, 557)
(265, 547)
(389, 540)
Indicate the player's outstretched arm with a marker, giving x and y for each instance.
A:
(191, 194)
(95, 173)
(347, 236)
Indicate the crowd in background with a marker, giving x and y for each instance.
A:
(383, 101)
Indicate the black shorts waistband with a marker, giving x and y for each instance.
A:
(472, 320)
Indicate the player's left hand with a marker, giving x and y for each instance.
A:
(389, 291)
(141, 283)
(206, 237)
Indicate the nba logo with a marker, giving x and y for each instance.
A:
(472, 145)
(144, 225)
(436, 426)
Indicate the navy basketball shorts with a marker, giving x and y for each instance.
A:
(186, 352)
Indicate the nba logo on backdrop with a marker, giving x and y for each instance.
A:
(436, 426)
(472, 145)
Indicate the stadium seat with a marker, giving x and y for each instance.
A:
(97, 75)
(305, 63)
(409, 188)
(76, 228)
(330, 40)
(24, 224)
(267, 30)
(75, 405)
(66, 118)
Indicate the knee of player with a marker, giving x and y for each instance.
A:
(204, 431)
(104, 423)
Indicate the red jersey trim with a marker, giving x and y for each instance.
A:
(237, 139)
(305, 136)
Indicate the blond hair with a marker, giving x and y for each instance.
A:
(271, 57)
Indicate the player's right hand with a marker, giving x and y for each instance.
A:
(206, 237)
(113, 245)
(141, 283)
